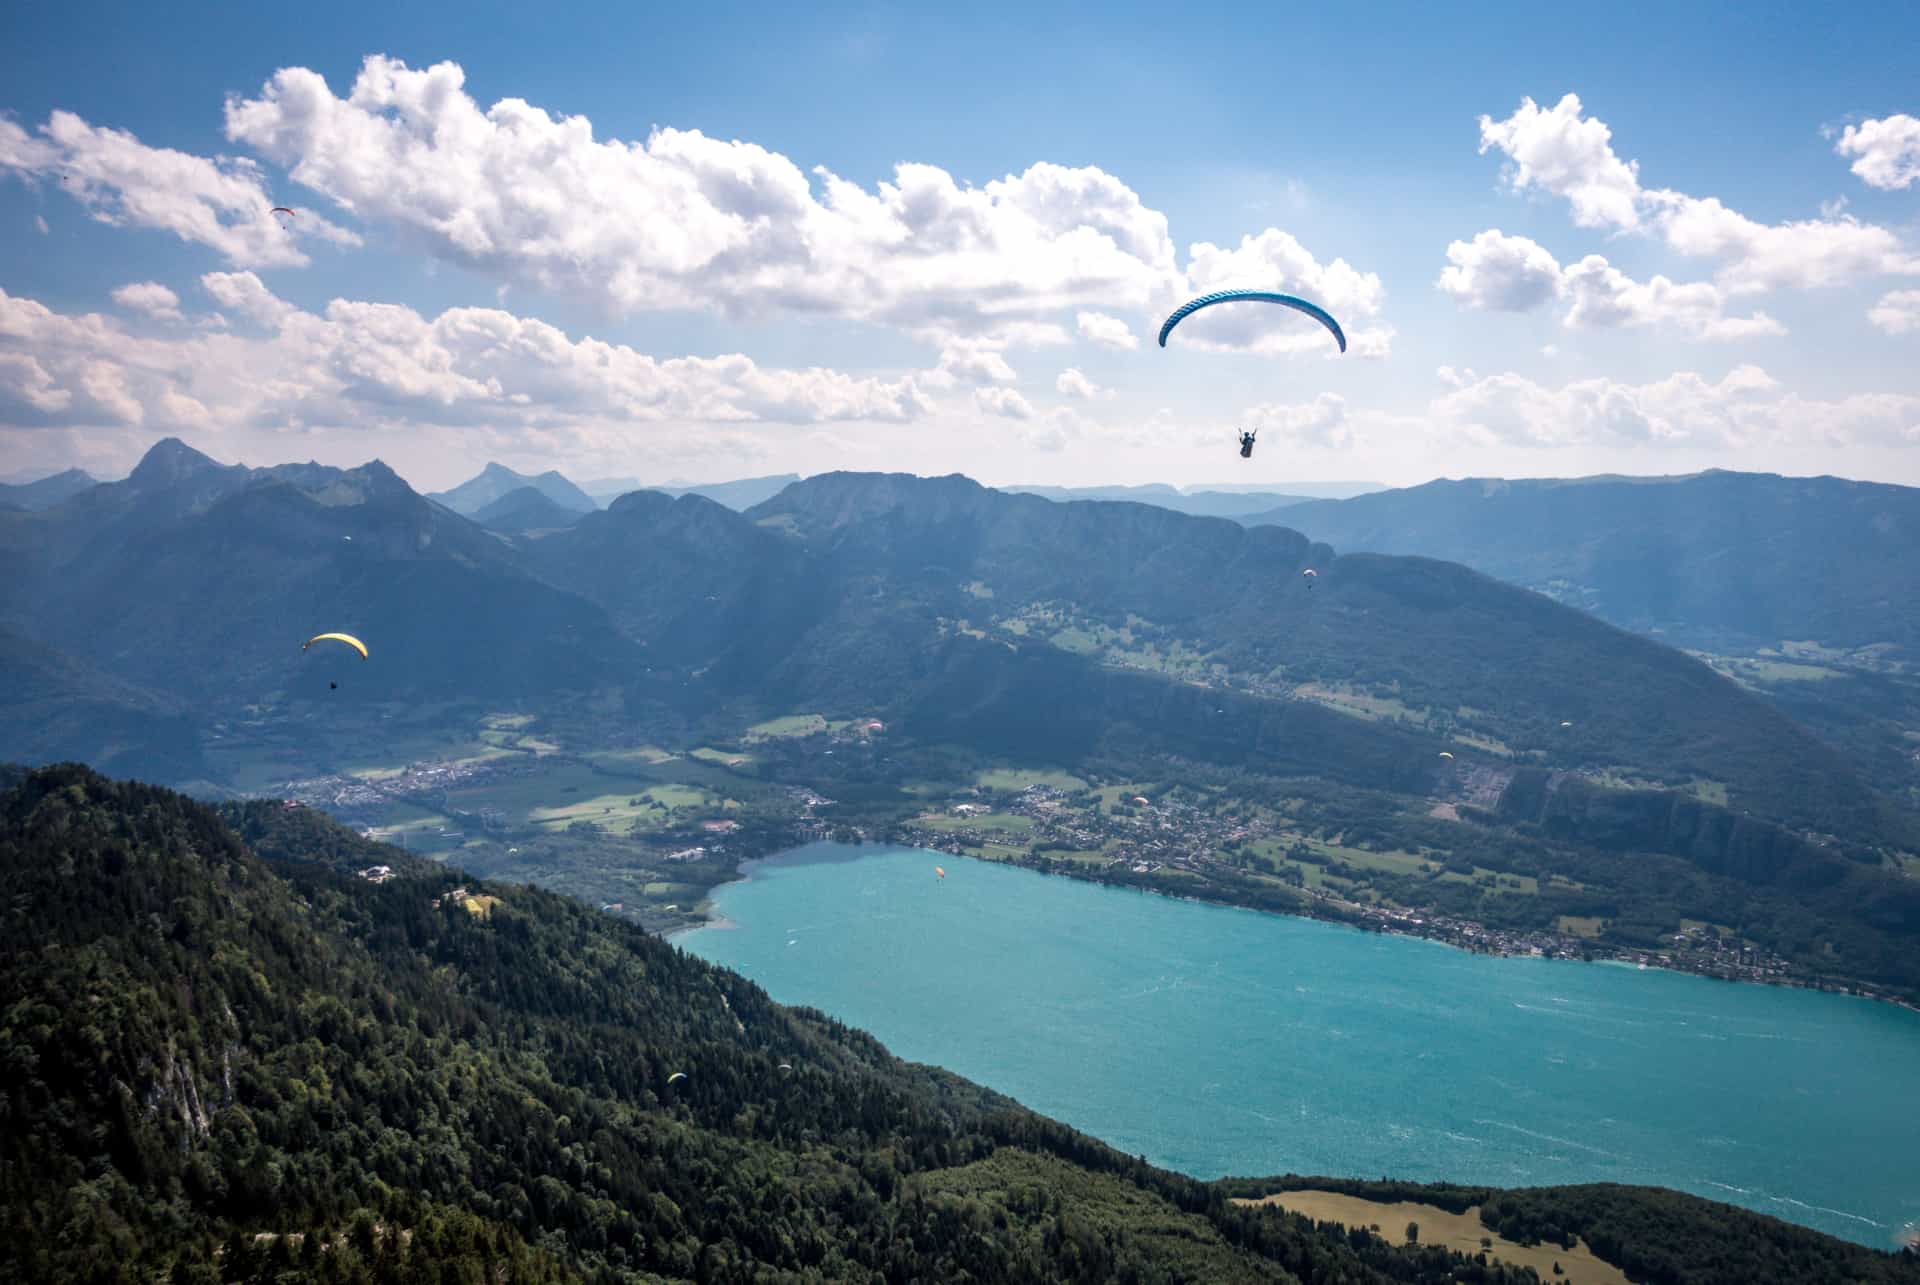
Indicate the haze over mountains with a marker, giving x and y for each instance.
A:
(146, 619)
(496, 481)
(1714, 559)
(1200, 502)
(45, 492)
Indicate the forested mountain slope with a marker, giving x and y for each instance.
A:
(222, 1068)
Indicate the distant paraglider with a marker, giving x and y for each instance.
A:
(677, 1075)
(1246, 443)
(281, 209)
(1566, 724)
(348, 639)
(941, 871)
(1448, 757)
(1310, 575)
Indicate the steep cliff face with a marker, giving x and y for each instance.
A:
(1715, 838)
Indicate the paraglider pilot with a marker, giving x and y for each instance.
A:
(1246, 444)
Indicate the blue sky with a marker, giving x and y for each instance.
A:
(1709, 257)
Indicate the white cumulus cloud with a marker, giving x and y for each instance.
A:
(1897, 313)
(681, 220)
(386, 367)
(149, 297)
(1504, 273)
(1003, 401)
(1600, 295)
(220, 203)
(1745, 407)
(1108, 331)
(1500, 273)
(1886, 152)
(1072, 383)
(1565, 153)
(1321, 424)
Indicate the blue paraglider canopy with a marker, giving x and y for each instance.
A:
(1318, 313)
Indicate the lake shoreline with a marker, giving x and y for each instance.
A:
(1468, 936)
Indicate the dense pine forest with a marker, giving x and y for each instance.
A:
(226, 1056)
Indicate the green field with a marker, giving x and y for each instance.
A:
(987, 821)
(627, 812)
(1019, 778)
(725, 758)
(789, 725)
(624, 761)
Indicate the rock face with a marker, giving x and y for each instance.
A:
(1714, 838)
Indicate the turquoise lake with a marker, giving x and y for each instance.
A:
(1219, 1041)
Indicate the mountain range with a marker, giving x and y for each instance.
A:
(143, 617)
(496, 481)
(1716, 560)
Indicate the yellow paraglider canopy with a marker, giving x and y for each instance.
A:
(348, 639)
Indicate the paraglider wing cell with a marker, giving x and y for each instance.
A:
(677, 1075)
(348, 639)
(1313, 310)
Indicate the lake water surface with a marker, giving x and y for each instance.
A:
(1219, 1041)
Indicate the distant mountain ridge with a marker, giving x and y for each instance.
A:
(1717, 559)
(496, 481)
(525, 509)
(1214, 504)
(875, 591)
(45, 492)
(739, 494)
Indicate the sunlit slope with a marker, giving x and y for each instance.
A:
(1426, 646)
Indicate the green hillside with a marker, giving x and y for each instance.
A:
(221, 1067)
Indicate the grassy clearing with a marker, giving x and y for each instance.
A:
(518, 794)
(1019, 778)
(725, 758)
(1461, 1232)
(788, 725)
(989, 821)
(1485, 744)
(1700, 787)
(628, 760)
(1110, 794)
(627, 812)
(1077, 641)
(1349, 701)
(1588, 926)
